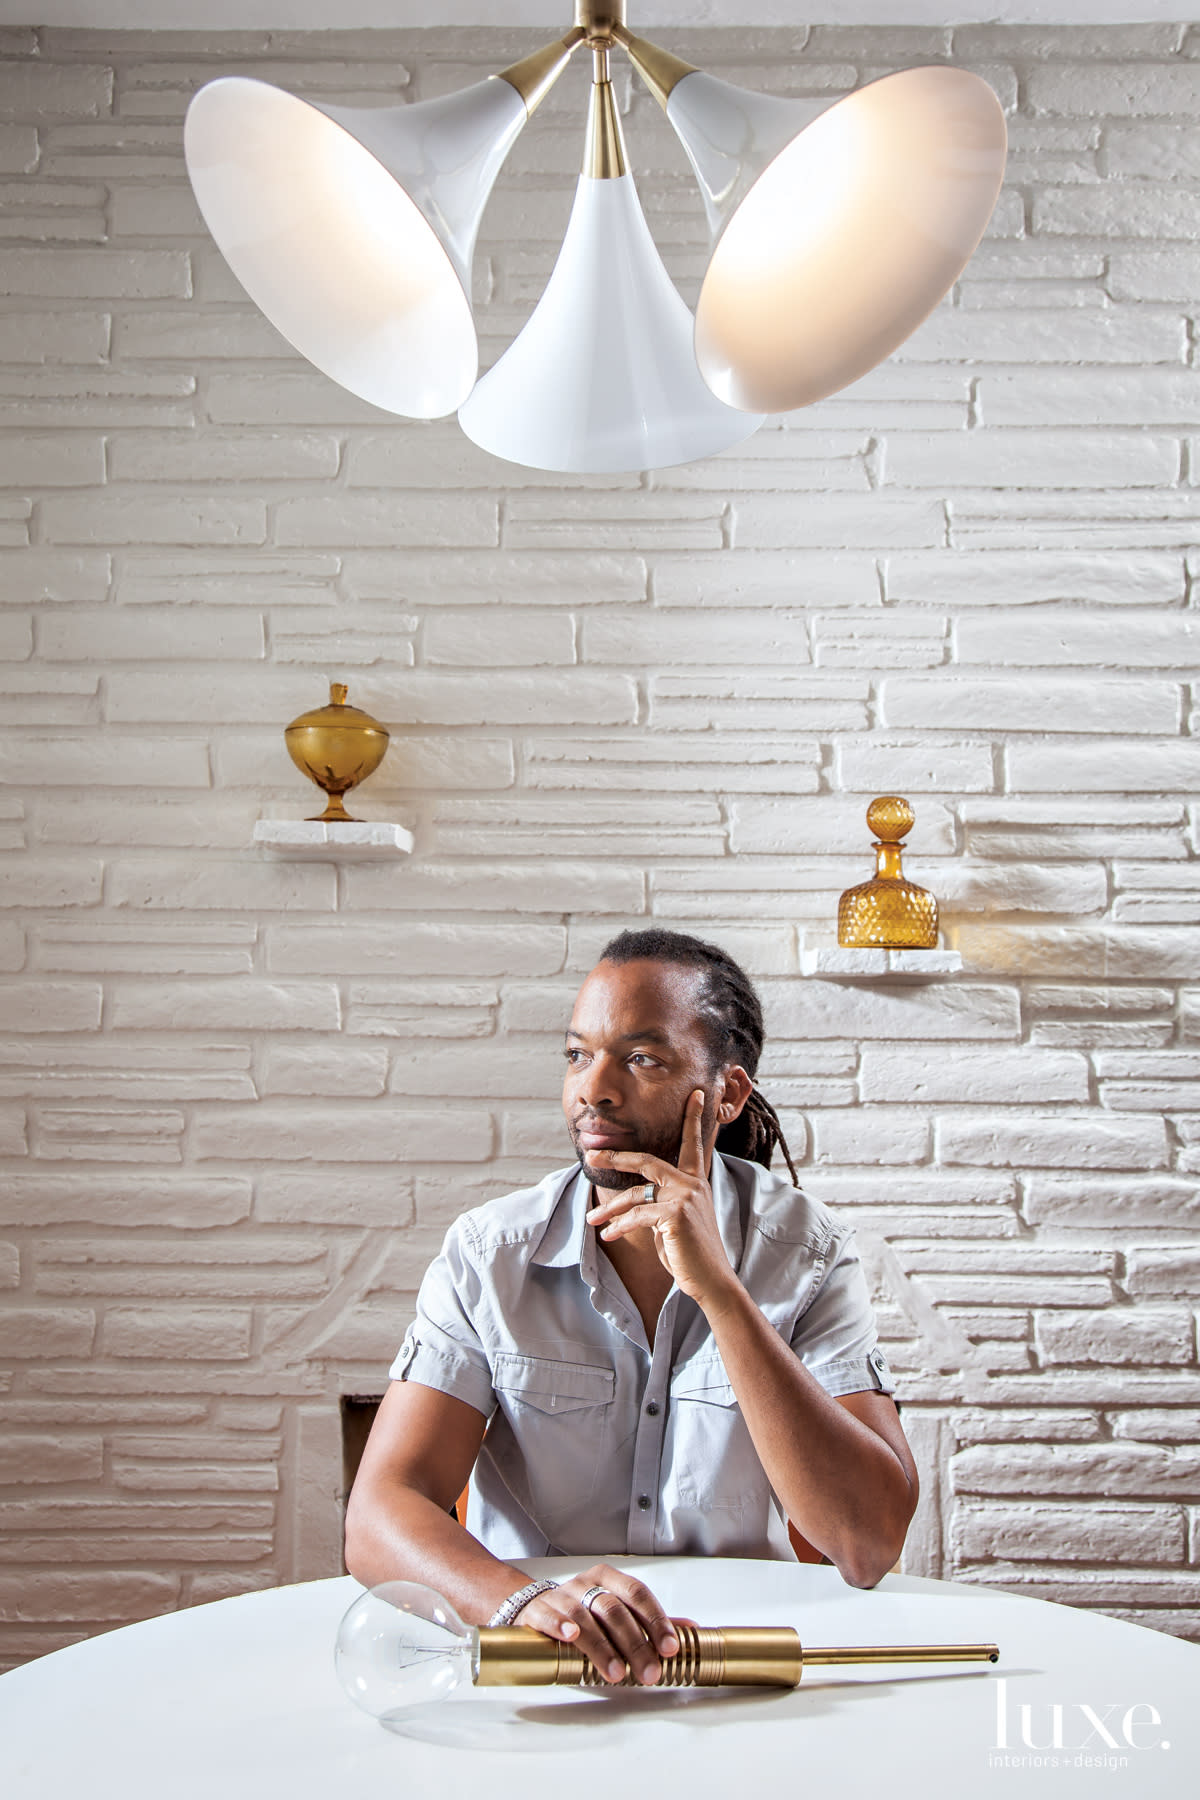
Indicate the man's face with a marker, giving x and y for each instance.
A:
(635, 1050)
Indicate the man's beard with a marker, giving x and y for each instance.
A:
(666, 1146)
(619, 1179)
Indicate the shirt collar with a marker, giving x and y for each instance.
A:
(728, 1208)
(561, 1244)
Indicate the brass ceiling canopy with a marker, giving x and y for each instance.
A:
(600, 20)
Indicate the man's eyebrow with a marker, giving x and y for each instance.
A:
(651, 1035)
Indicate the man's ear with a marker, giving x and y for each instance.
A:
(736, 1088)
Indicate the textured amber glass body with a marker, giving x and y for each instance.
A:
(888, 912)
(337, 746)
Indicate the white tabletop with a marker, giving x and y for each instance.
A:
(239, 1699)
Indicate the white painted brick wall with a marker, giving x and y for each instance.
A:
(241, 1099)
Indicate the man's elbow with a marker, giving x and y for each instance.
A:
(358, 1545)
(875, 1552)
(867, 1570)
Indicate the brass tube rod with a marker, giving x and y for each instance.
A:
(903, 1653)
(604, 148)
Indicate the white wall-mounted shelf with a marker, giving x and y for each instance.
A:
(835, 964)
(310, 840)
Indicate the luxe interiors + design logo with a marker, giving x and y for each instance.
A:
(1072, 1734)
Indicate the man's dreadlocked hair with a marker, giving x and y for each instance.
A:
(732, 1015)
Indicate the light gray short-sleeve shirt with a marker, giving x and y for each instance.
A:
(598, 1442)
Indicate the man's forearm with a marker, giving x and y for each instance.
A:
(395, 1533)
(840, 1484)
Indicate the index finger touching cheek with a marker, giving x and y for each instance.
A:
(691, 1149)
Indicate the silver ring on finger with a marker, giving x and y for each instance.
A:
(648, 1193)
(591, 1596)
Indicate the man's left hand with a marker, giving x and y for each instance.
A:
(680, 1214)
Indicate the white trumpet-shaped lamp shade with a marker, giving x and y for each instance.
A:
(603, 377)
(838, 241)
(352, 229)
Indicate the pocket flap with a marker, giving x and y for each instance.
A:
(704, 1380)
(552, 1386)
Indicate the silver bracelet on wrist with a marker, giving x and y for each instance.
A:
(504, 1615)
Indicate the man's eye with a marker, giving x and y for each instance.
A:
(639, 1056)
(573, 1056)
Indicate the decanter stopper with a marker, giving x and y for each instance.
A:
(888, 912)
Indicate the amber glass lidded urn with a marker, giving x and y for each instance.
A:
(337, 746)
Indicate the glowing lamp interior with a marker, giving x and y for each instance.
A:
(330, 247)
(849, 238)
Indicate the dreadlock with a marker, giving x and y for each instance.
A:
(731, 1014)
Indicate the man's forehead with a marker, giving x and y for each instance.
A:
(642, 996)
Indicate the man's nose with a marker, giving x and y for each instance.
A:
(600, 1083)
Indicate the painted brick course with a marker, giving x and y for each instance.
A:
(241, 1099)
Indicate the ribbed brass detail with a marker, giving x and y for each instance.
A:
(604, 150)
(573, 1667)
(701, 1662)
(658, 68)
(535, 75)
(600, 20)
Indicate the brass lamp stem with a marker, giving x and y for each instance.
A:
(733, 1656)
(604, 150)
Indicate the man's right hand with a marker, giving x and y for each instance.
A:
(624, 1629)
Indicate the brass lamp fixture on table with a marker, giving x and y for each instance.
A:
(401, 1646)
(835, 230)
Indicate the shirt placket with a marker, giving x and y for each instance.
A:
(646, 1489)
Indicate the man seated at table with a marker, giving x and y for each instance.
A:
(662, 1350)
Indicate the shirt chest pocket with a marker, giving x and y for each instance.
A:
(546, 1385)
(550, 1436)
(714, 1457)
(705, 1381)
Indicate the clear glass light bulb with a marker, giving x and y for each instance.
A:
(400, 1646)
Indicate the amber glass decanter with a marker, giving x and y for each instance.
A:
(889, 912)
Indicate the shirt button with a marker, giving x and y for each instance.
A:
(644, 1502)
(652, 1408)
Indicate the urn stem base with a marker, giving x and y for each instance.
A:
(335, 814)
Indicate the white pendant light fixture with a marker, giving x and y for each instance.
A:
(353, 228)
(833, 236)
(551, 402)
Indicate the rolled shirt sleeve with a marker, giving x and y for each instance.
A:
(835, 1336)
(442, 1348)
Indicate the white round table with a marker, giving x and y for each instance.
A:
(239, 1701)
